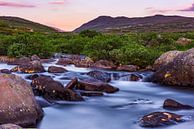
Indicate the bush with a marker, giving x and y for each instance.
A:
(72, 46)
(100, 46)
(138, 55)
(89, 33)
(27, 45)
(3, 24)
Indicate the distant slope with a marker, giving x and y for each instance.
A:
(157, 23)
(8, 23)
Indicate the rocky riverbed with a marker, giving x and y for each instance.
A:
(94, 98)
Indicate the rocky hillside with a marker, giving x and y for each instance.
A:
(16, 24)
(157, 23)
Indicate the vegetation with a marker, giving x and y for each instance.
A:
(10, 25)
(131, 48)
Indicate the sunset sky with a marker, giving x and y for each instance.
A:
(70, 14)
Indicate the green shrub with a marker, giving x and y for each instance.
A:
(89, 33)
(29, 44)
(100, 46)
(3, 24)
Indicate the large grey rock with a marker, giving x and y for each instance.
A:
(179, 72)
(17, 102)
(165, 58)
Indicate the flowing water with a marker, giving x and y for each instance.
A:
(120, 110)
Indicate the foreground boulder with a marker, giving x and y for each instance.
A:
(10, 126)
(99, 75)
(94, 85)
(17, 102)
(165, 58)
(104, 64)
(128, 68)
(179, 72)
(174, 105)
(31, 67)
(183, 41)
(157, 119)
(54, 69)
(53, 90)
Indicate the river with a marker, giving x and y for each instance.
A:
(120, 110)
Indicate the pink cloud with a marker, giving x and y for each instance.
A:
(17, 5)
(154, 10)
(191, 8)
(58, 2)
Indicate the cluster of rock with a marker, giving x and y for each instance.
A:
(27, 112)
(157, 119)
(175, 68)
(80, 61)
(53, 90)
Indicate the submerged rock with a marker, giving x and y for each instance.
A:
(42, 102)
(6, 71)
(157, 119)
(94, 85)
(99, 75)
(135, 77)
(174, 105)
(104, 64)
(91, 93)
(32, 77)
(128, 68)
(46, 60)
(31, 67)
(17, 102)
(64, 61)
(54, 69)
(53, 90)
(179, 72)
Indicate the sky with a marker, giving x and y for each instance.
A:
(70, 14)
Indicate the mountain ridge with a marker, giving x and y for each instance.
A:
(139, 24)
(13, 22)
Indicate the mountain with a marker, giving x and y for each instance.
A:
(157, 23)
(15, 24)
